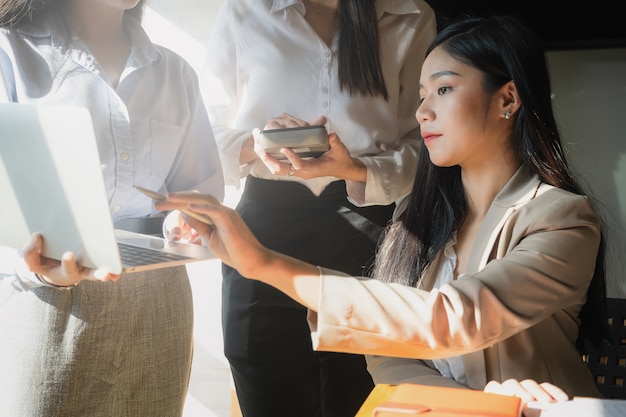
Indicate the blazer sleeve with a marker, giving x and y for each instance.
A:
(547, 251)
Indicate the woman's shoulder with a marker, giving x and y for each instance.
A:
(44, 24)
(560, 207)
(555, 196)
(174, 60)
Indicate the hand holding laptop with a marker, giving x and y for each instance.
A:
(63, 273)
(44, 193)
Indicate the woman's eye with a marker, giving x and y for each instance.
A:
(442, 90)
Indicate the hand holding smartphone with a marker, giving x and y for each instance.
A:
(305, 141)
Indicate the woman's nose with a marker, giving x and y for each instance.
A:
(423, 114)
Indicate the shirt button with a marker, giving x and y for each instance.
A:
(124, 156)
(116, 208)
(325, 105)
(325, 90)
(120, 109)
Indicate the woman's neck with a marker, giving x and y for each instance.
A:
(94, 23)
(323, 17)
(102, 30)
(322, 6)
(483, 185)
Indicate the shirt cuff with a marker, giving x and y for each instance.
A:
(26, 279)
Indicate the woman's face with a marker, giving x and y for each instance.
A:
(460, 123)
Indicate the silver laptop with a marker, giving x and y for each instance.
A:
(51, 182)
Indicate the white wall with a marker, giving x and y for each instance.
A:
(590, 103)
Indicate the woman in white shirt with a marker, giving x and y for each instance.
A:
(353, 66)
(116, 348)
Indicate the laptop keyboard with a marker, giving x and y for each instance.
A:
(135, 255)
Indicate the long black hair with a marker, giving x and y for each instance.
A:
(503, 49)
(16, 12)
(360, 71)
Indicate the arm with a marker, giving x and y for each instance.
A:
(232, 242)
(546, 261)
(546, 269)
(221, 95)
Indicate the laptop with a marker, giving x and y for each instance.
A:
(51, 182)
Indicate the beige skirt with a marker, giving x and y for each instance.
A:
(101, 349)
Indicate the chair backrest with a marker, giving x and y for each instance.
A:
(608, 362)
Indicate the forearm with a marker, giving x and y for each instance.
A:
(247, 154)
(298, 279)
(357, 171)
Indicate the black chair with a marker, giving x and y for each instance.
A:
(608, 362)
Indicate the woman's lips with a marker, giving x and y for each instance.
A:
(429, 137)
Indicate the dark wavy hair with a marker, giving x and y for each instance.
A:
(16, 12)
(503, 49)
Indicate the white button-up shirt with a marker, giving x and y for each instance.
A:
(265, 59)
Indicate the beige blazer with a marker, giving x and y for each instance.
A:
(513, 315)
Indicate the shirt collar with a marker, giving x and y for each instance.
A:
(52, 26)
(145, 52)
(279, 5)
(396, 7)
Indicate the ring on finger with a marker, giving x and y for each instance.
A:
(292, 171)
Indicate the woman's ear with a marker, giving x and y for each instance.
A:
(509, 100)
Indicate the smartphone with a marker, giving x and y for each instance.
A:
(160, 197)
(306, 141)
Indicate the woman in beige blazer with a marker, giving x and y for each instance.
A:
(493, 265)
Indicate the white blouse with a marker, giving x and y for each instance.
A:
(264, 59)
(451, 367)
